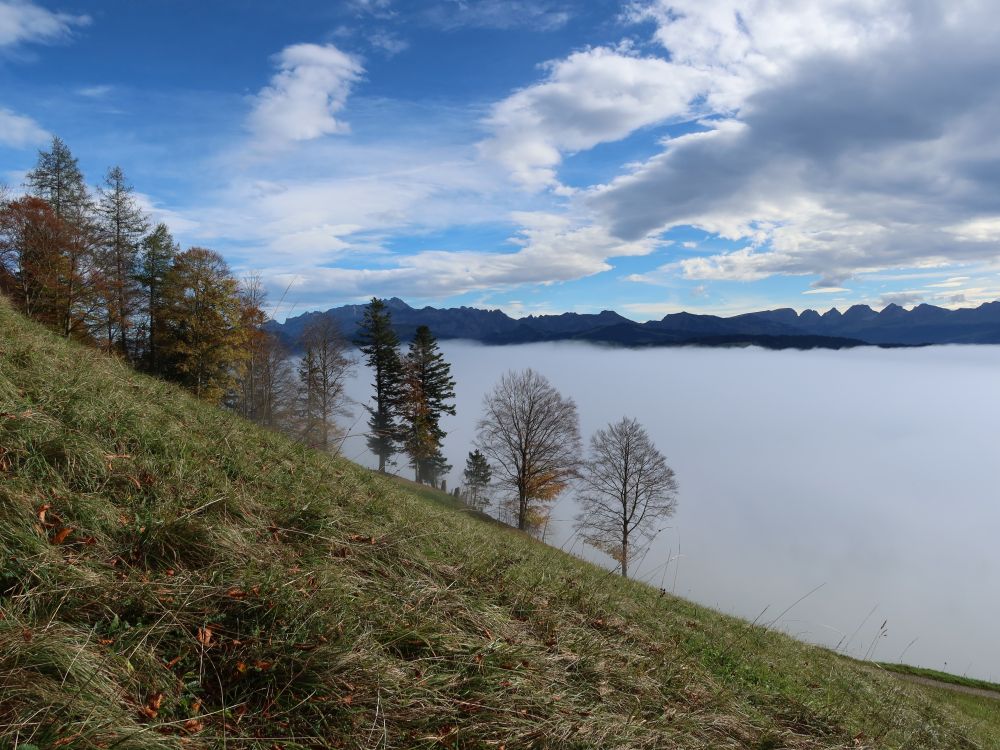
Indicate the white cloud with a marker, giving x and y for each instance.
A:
(980, 229)
(827, 290)
(95, 92)
(537, 15)
(388, 43)
(856, 139)
(19, 131)
(550, 249)
(742, 45)
(952, 283)
(22, 21)
(591, 97)
(304, 98)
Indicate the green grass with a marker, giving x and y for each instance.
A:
(933, 674)
(173, 577)
(981, 714)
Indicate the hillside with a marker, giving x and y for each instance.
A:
(772, 329)
(174, 577)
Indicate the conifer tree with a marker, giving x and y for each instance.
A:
(203, 337)
(478, 475)
(427, 396)
(158, 253)
(57, 179)
(122, 226)
(380, 345)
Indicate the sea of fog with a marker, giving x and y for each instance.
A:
(868, 477)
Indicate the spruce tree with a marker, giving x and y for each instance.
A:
(478, 475)
(57, 179)
(428, 396)
(380, 345)
(158, 253)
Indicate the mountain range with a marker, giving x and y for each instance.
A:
(776, 329)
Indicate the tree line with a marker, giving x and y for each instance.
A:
(91, 265)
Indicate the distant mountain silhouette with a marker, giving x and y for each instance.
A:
(774, 329)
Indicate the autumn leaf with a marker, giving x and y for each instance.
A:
(205, 636)
(62, 535)
(193, 725)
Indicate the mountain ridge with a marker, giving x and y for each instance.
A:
(779, 328)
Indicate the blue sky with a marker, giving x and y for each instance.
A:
(539, 156)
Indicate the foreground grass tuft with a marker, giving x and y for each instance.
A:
(173, 577)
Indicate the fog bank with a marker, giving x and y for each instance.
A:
(872, 473)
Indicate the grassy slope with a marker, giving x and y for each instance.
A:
(195, 582)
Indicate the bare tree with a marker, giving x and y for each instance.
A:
(323, 372)
(531, 435)
(627, 490)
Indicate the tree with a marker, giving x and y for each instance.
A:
(122, 226)
(203, 336)
(478, 475)
(380, 345)
(628, 490)
(530, 434)
(39, 264)
(158, 253)
(58, 180)
(323, 372)
(428, 390)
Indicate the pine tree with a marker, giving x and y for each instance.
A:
(122, 226)
(380, 345)
(478, 475)
(427, 395)
(158, 253)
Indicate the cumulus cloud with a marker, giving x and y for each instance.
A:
(720, 53)
(871, 151)
(591, 97)
(19, 131)
(22, 21)
(304, 97)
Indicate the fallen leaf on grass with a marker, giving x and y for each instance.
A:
(205, 636)
(62, 535)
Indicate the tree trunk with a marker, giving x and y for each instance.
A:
(625, 554)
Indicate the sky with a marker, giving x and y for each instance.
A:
(538, 156)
